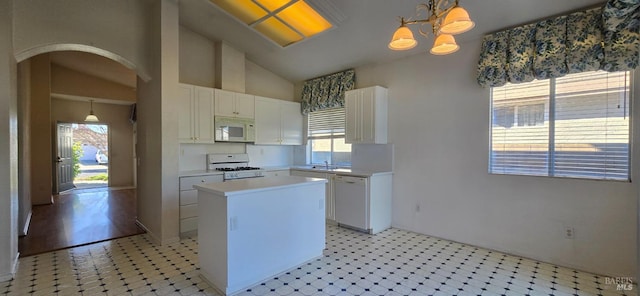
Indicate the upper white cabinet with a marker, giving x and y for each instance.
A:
(366, 115)
(278, 122)
(233, 104)
(195, 114)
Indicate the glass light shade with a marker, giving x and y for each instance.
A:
(402, 39)
(444, 44)
(457, 21)
(91, 118)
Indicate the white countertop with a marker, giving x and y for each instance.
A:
(340, 171)
(308, 168)
(242, 186)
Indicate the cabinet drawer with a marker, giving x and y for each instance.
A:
(189, 211)
(186, 183)
(309, 174)
(276, 173)
(188, 197)
(189, 224)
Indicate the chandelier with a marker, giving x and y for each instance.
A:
(446, 18)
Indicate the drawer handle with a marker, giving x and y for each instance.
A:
(202, 181)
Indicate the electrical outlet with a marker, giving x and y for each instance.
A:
(569, 232)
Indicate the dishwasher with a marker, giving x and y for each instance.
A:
(352, 203)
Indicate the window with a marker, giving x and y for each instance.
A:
(574, 126)
(326, 138)
(531, 115)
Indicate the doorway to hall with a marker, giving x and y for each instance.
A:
(82, 156)
(91, 155)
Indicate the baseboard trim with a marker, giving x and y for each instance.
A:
(152, 235)
(26, 224)
(122, 187)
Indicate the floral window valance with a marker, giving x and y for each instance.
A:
(327, 92)
(604, 38)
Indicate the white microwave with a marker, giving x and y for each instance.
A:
(230, 129)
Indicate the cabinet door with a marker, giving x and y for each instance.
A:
(367, 116)
(225, 103)
(352, 113)
(244, 105)
(291, 123)
(185, 114)
(204, 131)
(267, 121)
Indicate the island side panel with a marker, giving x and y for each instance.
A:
(212, 238)
(272, 231)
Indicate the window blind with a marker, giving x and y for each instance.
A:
(573, 126)
(326, 123)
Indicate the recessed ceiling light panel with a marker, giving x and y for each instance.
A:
(284, 22)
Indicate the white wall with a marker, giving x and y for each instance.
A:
(8, 147)
(439, 123)
(24, 146)
(158, 202)
(197, 63)
(270, 155)
(262, 82)
(117, 28)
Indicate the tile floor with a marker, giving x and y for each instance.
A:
(394, 262)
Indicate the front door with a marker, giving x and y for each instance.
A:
(64, 159)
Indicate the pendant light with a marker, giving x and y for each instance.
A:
(446, 17)
(91, 117)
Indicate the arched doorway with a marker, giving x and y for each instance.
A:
(74, 75)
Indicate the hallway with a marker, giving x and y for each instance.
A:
(81, 217)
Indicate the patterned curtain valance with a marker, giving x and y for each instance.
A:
(605, 38)
(327, 92)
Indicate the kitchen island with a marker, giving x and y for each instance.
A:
(250, 230)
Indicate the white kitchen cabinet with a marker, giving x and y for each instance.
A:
(189, 200)
(363, 202)
(233, 104)
(195, 114)
(366, 115)
(276, 173)
(330, 209)
(278, 122)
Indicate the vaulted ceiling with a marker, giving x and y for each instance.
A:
(360, 38)
(363, 33)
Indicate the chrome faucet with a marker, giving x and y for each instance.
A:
(326, 164)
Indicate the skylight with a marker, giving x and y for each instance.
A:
(284, 22)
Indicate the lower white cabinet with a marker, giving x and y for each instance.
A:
(276, 173)
(330, 208)
(189, 200)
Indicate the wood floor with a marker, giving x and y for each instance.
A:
(80, 217)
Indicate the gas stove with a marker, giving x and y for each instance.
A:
(245, 168)
(233, 166)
